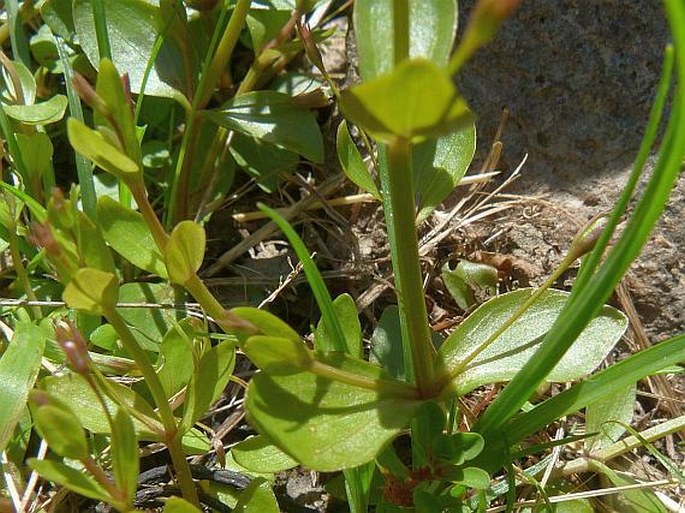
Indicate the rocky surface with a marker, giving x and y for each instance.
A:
(578, 78)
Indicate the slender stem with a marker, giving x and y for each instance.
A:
(99, 16)
(400, 19)
(19, 268)
(223, 54)
(148, 213)
(626, 445)
(398, 203)
(178, 197)
(102, 479)
(196, 287)
(172, 434)
(393, 388)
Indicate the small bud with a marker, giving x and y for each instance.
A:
(485, 21)
(310, 47)
(88, 95)
(74, 346)
(587, 237)
(41, 235)
(126, 84)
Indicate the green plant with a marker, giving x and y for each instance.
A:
(331, 410)
(328, 408)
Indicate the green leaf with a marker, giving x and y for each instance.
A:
(386, 343)
(274, 118)
(208, 382)
(258, 497)
(259, 454)
(133, 29)
(467, 278)
(432, 29)
(120, 116)
(196, 442)
(511, 350)
(439, 165)
(57, 425)
(475, 478)
(456, 448)
(336, 338)
(92, 145)
(278, 355)
(426, 429)
(267, 323)
(263, 161)
(92, 246)
(149, 325)
(324, 424)
(619, 376)
(415, 100)
(27, 83)
(264, 24)
(608, 417)
(185, 251)
(125, 459)
(57, 15)
(178, 505)
(346, 311)
(36, 152)
(352, 162)
(49, 111)
(19, 366)
(574, 506)
(176, 356)
(71, 478)
(92, 291)
(75, 391)
(44, 49)
(128, 234)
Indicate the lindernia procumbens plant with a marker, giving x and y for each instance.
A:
(329, 408)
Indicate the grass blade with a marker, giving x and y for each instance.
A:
(321, 294)
(83, 169)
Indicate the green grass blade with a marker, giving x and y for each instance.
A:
(83, 169)
(321, 294)
(584, 304)
(614, 378)
(100, 17)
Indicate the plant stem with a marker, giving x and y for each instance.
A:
(101, 33)
(171, 432)
(178, 197)
(19, 268)
(398, 204)
(148, 213)
(222, 55)
(391, 388)
(400, 19)
(104, 481)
